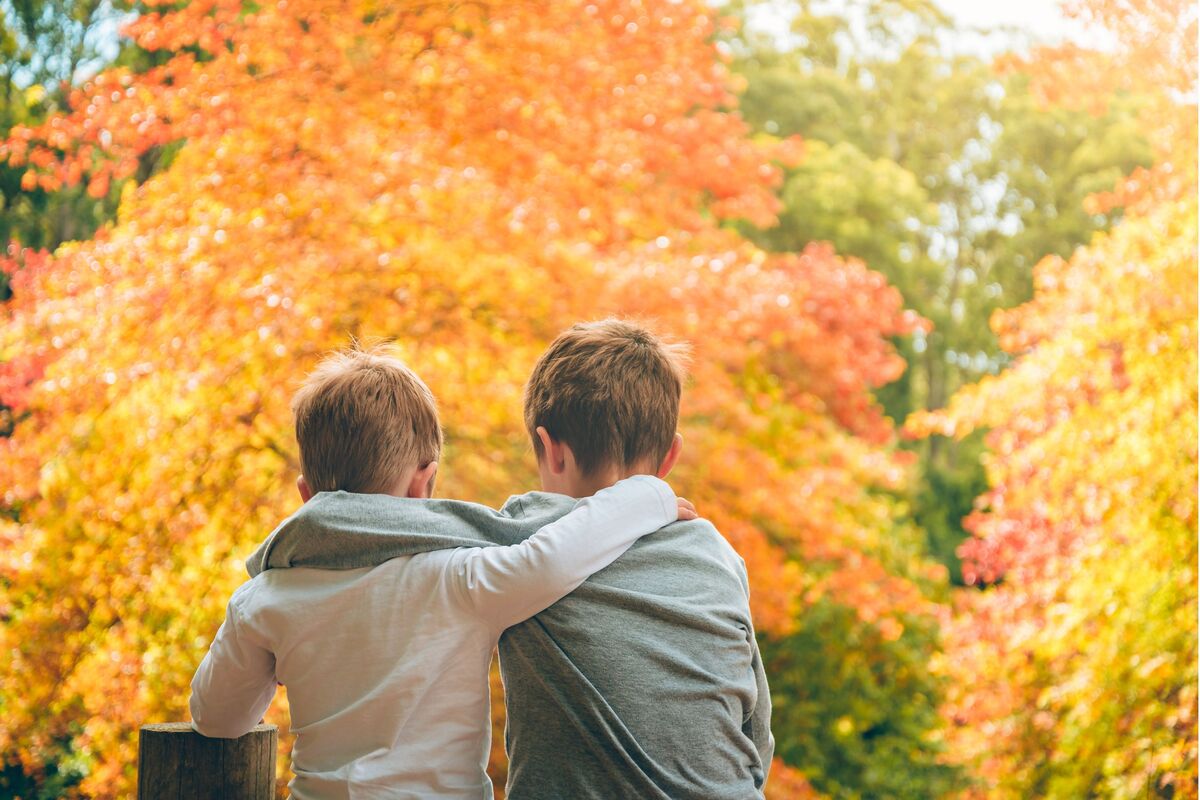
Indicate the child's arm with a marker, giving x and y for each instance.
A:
(509, 584)
(235, 682)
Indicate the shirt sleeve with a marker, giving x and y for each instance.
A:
(506, 585)
(235, 682)
(758, 725)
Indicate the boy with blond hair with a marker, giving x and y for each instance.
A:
(387, 665)
(646, 681)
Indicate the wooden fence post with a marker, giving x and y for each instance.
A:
(176, 763)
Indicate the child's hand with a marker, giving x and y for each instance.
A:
(686, 509)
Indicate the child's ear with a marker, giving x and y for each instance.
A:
(554, 452)
(668, 462)
(306, 492)
(421, 485)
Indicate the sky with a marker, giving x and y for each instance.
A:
(1042, 19)
(1029, 14)
(1014, 24)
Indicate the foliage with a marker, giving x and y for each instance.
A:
(468, 180)
(941, 174)
(1076, 675)
(44, 46)
(955, 208)
(860, 708)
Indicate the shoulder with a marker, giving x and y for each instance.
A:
(694, 548)
(294, 586)
(285, 596)
(246, 604)
(259, 594)
(249, 593)
(703, 534)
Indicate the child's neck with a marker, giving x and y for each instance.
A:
(577, 485)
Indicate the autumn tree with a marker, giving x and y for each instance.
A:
(1075, 675)
(939, 172)
(466, 179)
(45, 46)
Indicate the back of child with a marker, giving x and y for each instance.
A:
(387, 666)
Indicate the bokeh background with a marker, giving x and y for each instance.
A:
(937, 262)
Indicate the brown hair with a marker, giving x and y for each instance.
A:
(610, 390)
(362, 419)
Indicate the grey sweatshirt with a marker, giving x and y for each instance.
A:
(645, 682)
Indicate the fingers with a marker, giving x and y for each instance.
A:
(686, 509)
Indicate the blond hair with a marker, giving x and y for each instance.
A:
(362, 419)
(610, 390)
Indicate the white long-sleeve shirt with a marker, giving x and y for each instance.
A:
(387, 667)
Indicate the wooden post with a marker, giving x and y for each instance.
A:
(176, 763)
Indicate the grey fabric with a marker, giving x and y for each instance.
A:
(645, 682)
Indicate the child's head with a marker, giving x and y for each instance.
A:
(366, 423)
(609, 391)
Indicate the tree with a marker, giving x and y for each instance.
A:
(941, 174)
(467, 179)
(45, 46)
(1075, 676)
(859, 707)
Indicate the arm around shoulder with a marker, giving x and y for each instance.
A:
(510, 584)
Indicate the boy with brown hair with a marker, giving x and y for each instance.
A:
(387, 665)
(645, 681)
(606, 396)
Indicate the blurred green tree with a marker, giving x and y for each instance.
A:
(859, 709)
(46, 46)
(940, 173)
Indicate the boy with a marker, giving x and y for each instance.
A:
(646, 681)
(387, 666)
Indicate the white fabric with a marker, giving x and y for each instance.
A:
(387, 667)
